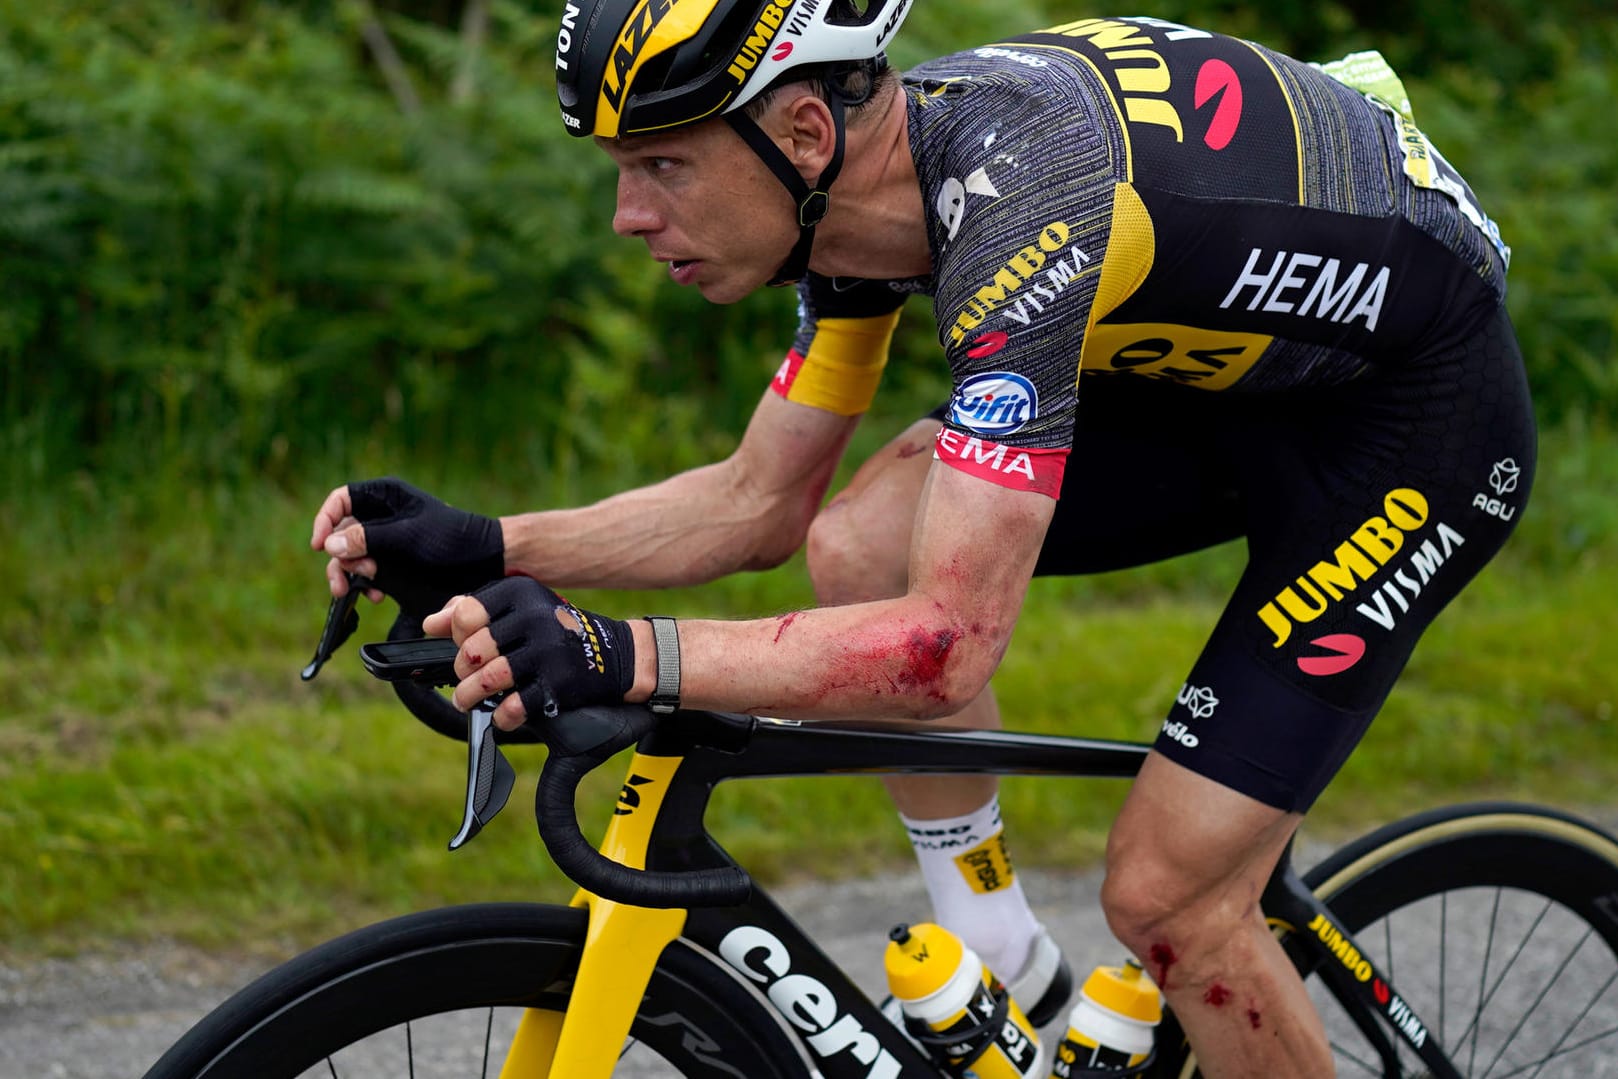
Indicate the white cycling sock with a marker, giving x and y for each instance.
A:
(975, 892)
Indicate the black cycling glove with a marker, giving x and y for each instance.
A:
(425, 550)
(561, 657)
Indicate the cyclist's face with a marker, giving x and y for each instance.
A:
(705, 205)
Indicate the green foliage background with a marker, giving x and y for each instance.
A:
(225, 251)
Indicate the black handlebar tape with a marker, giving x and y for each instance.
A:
(721, 886)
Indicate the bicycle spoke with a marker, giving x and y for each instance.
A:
(1477, 1025)
(1557, 1050)
(1350, 1058)
(488, 1036)
(410, 1052)
(1483, 980)
(1543, 993)
(331, 1067)
(1575, 1047)
(1443, 959)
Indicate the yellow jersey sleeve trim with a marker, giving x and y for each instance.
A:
(844, 365)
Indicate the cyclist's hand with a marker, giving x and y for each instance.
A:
(518, 634)
(416, 548)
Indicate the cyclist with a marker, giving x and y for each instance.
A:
(1281, 309)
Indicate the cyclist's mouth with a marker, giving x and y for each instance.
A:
(683, 270)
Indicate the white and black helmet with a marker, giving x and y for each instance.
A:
(633, 67)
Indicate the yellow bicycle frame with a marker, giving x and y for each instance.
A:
(621, 947)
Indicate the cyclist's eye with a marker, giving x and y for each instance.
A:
(661, 164)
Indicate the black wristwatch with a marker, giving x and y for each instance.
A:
(665, 696)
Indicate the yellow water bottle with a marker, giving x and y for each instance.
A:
(1112, 1026)
(956, 1008)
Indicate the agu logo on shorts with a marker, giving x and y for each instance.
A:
(996, 403)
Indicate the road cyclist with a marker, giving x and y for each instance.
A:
(1281, 308)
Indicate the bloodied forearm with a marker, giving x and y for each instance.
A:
(921, 655)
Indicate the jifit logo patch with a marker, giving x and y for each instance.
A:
(996, 403)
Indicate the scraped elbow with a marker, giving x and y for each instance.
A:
(944, 671)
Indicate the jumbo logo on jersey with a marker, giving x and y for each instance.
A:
(1018, 271)
(1163, 77)
(1140, 70)
(996, 403)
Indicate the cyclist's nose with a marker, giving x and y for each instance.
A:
(634, 215)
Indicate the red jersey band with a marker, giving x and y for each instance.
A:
(788, 373)
(1020, 469)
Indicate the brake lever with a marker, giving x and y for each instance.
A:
(342, 619)
(489, 776)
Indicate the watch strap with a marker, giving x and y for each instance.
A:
(665, 696)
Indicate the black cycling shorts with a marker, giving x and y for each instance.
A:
(1366, 507)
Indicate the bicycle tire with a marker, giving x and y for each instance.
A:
(363, 1004)
(1542, 1003)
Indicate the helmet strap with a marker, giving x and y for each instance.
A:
(812, 202)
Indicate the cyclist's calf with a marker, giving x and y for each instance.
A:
(1187, 861)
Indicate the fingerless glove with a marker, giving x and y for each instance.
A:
(425, 549)
(561, 656)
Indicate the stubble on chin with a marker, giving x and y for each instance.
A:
(729, 288)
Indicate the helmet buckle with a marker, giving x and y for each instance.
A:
(813, 209)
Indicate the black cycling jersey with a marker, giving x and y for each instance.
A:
(1287, 312)
(1129, 197)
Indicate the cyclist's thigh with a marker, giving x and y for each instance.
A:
(1368, 508)
(1150, 477)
